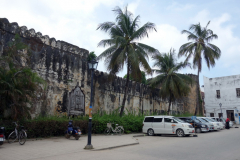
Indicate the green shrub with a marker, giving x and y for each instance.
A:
(56, 126)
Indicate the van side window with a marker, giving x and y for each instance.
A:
(167, 120)
(148, 119)
(157, 119)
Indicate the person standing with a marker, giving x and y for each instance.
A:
(227, 123)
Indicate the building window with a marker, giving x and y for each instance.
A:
(238, 92)
(218, 93)
(220, 115)
(211, 114)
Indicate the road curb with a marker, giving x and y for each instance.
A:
(140, 135)
(107, 148)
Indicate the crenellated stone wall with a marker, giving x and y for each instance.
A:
(64, 67)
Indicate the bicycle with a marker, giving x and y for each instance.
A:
(21, 135)
(118, 129)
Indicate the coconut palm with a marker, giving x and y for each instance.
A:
(200, 48)
(173, 85)
(124, 48)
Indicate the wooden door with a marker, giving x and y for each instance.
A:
(230, 115)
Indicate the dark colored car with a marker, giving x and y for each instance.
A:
(199, 127)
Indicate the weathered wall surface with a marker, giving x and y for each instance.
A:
(64, 67)
(228, 96)
(189, 101)
(55, 61)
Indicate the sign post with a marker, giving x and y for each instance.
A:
(220, 104)
(194, 118)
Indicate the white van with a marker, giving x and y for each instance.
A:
(166, 125)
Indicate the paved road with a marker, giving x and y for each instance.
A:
(221, 145)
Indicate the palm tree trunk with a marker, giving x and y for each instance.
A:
(169, 105)
(198, 91)
(125, 93)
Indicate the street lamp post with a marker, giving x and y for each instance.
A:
(92, 65)
(220, 104)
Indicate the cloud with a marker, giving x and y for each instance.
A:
(133, 6)
(76, 22)
(179, 7)
(227, 41)
(228, 64)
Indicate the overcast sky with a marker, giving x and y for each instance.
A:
(75, 21)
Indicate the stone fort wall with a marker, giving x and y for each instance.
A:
(64, 67)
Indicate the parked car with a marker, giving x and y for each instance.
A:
(199, 127)
(166, 125)
(219, 120)
(210, 125)
(216, 124)
(223, 120)
(221, 124)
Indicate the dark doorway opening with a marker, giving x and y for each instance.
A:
(220, 115)
(230, 115)
(211, 114)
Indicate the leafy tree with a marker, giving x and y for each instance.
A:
(142, 80)
(200, 48)
(91, 56)
(124, 48)
(173, 85)
(19, 85)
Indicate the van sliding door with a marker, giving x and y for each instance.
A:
(158, 125)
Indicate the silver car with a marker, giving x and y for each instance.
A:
(223, 120)
(210, 125)
(217, 125)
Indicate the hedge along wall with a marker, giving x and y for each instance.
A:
(49, 127)
(58, 62)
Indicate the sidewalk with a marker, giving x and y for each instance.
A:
(40, 149)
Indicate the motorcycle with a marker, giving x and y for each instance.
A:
(72, 131)
(2, 137)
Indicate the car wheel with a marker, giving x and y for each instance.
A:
(198, 130)
(180, 133)
(150, 132)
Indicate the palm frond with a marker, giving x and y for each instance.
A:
(106, 26)
(142, 32)
(107, 52)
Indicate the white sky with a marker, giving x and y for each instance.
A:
(75, 21)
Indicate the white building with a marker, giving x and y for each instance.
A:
(224, 92)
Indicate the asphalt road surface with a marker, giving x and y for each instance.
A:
(220, 145)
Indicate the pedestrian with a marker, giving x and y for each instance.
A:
(227, 123)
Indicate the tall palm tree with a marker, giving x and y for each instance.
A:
(124, 48)
(173, 85)
(200, 48)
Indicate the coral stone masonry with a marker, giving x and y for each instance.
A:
(64, 67)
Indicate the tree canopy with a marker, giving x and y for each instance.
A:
(124, 47)
(172, 84)
(200, 48)
(19, 85)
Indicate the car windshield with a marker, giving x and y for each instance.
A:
(202, 120)
(197, 121)
(178, 120)
(213, 120)
(206, 119)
